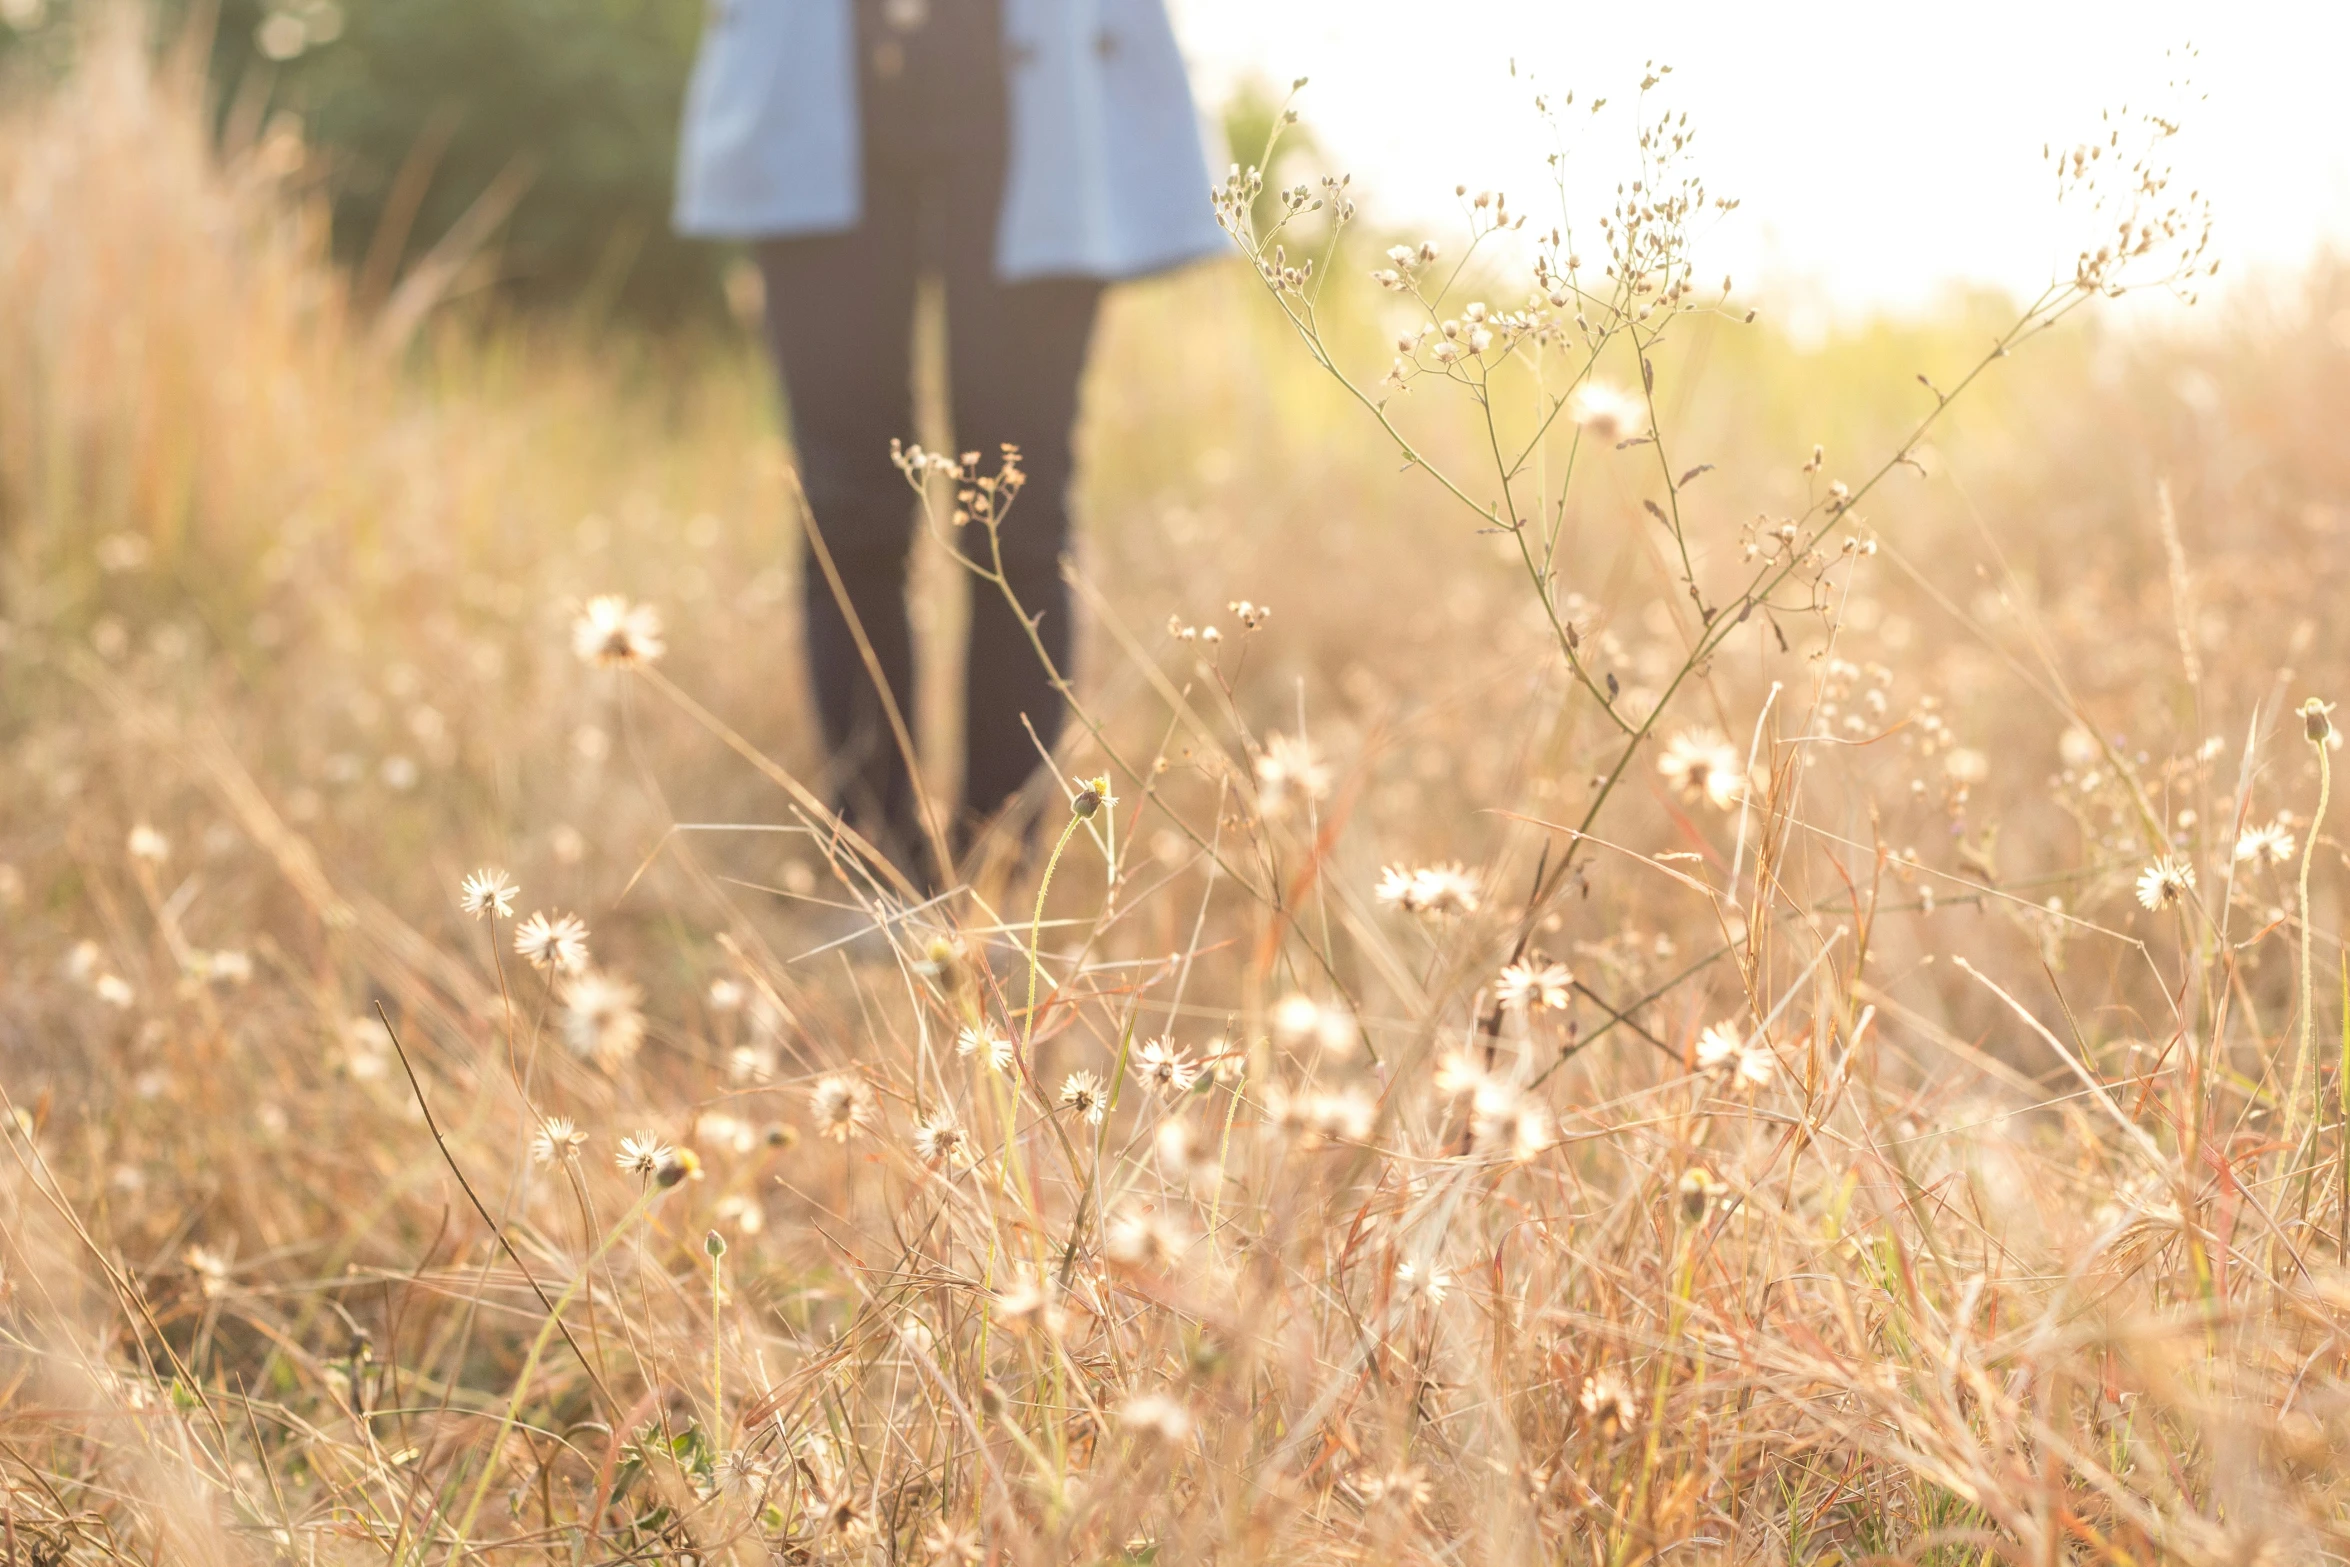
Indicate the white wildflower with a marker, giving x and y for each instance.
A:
(613, 633)
(841, 1105)
(1607, 413)
(1524, 988)
(601, 1022)
(1702, 765)
(558, 1138)
(2165, 882)
(487, 894)
(558, 942)
(2274, 843)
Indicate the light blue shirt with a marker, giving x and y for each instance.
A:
(1105, 175)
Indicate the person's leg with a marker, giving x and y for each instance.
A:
(840, 317)
(1015, 354)
(840, 314)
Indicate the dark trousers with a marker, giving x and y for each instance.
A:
(840, 315)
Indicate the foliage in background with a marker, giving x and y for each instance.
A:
(415, 109)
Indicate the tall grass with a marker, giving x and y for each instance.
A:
(1563, 1027)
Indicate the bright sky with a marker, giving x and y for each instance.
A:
(1883, 150)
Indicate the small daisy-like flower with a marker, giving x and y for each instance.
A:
(1347, 1116)
(600, 1018)
(487, 894)
(1701, 765)
(558, 943)
(1289, 766)
(1093, 794)
(1718, 1046)
(1431, 1281)
(1606, 412)
(1607, 1402)
(1145, 1238)
(211, 1270)
(2165, 882)
(987, 1043)
(740, 1472)
(1082, 1093)
(1434, 890)
(845, 1515)
(1406, 1488)
(612, 633)
(841, 1105)
(1517, 1128)
(2273, 843)
(643, 1154)
(1166, 1068)
(1028, 1302)
(1698, 1189)
(1525, 988)
(149, 845)
(225, 967)
(1158, 1415)
(1187, 1157)
(558, 1138)
(939, 1140)
(1756, 1065)
(1459, 1072)
(944, 1545)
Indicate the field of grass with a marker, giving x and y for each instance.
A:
(1762, 984)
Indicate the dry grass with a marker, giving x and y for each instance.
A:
(2008, 1224)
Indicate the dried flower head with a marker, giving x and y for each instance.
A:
(946, 1545)
(1289, 768)
(558, 943)
(1404, 1488)
(1165, 1068)
(1607, 413)
(147, 844)
(1718, 1046)
(1433, 890)
(612, 633)
(2274, 843)
(557, 1138)
(1298, 1017)
(1160, 1416)
(1082, 1094)
(1426, 1280)
(986, 1043)
(1029, 1301)
(1698, 1189)
(1701, 765)
(601, 1022)
(940, 1139)
(1607, 1403)
(2165, 882)
(210, 1268)
(1523, 987)
(487, 894)
(1145, 1238)
(1187, 1156)
(642, 1154)
(841, 1105)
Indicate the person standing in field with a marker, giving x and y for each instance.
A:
(1027, 152)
